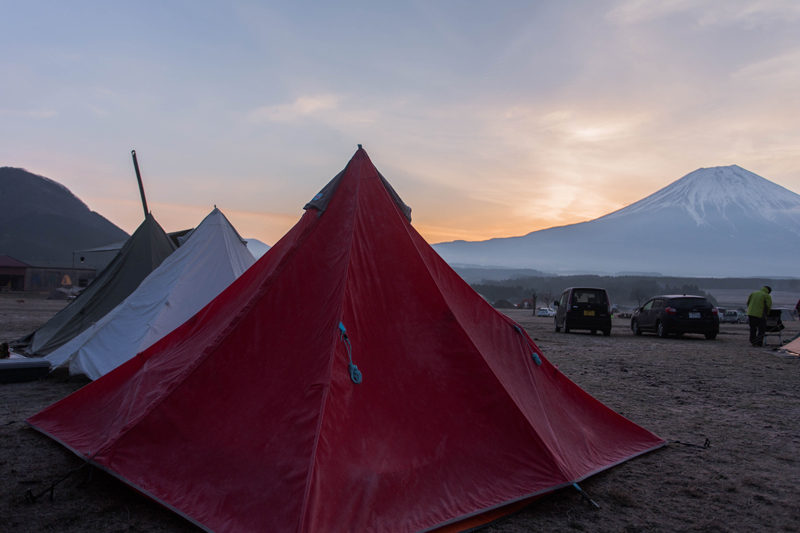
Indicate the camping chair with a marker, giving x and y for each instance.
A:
(774, 326)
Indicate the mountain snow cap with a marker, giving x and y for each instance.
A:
(718, 191)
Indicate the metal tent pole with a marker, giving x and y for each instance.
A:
(139, 179)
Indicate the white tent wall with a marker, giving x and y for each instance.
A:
(209, 260)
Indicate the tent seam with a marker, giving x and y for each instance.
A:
(555, 457)
(332, 358)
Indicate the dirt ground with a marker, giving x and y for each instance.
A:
(744, 401)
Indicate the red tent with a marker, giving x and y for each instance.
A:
(349, 380)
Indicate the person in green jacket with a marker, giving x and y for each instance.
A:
(758, 305)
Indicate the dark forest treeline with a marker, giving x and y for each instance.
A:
(623, 290)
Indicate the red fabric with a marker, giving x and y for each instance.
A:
(245, 418)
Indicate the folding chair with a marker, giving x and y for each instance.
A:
(774, 326)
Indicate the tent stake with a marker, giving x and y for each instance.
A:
(586, 496)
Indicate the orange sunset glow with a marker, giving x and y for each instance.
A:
(489, 120)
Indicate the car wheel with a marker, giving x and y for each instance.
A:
(635, 327)
(606, 332)
(566, 326)
(594, 332)
(660, 330)
(711, 336)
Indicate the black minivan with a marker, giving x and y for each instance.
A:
(583, 308)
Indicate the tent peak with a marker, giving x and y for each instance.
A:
(323, 197)
(361, 154)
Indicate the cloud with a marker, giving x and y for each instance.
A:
(303, 107)
(36, 114)
(636, 11)
(780, 71)
(521, 167)
(750, 14)
(711, 12)
(333, 111)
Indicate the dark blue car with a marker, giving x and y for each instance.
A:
(676, 314)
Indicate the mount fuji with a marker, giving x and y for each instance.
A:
(713, 222)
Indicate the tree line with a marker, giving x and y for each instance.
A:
(623, 290)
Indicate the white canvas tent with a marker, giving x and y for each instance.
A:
(257, 248)
(212, 256)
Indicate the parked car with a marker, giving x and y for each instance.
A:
(676, 314)
(583, 308)
(545, 311)
(730, 316)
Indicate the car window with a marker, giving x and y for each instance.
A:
(564, 298)
(648, 306)
(589, 296)
(689, 303)
(658, 303)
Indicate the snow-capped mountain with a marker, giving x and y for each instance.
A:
(720, 221)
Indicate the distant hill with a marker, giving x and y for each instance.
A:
(481, 274)
(42, 222)
(713, 222)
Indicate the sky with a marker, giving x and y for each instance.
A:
(489, 118)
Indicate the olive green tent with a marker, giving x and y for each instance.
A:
(141, 254)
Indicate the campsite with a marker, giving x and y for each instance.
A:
(742, 401)
(218, 314)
